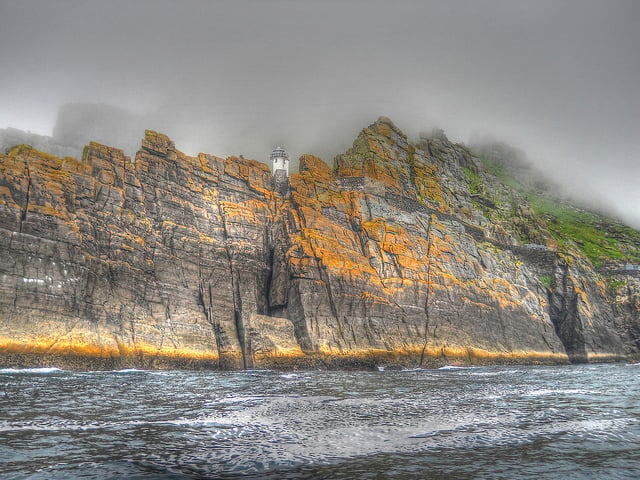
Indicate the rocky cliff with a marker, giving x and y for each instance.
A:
(386, 258)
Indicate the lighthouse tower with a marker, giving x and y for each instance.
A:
(280, 170)
(279, 161)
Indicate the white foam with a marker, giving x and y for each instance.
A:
(235, 400)
(38, 370)
(543, 392)
(455, 367)
(495, 373)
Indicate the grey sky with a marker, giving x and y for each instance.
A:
(559, 79)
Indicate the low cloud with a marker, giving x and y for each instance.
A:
(557, 79)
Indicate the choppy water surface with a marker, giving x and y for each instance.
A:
(489, 422)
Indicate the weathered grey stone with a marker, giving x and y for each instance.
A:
(198, 261)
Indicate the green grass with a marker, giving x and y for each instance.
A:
(474, 181)
(599, 238)
(501, 173)
(615, 285)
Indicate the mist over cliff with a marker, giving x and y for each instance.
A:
(78, 124)
(556, 79)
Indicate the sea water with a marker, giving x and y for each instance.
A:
(486, 422)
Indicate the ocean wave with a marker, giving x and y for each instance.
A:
(495, 373)
(234, 400)
(36, 371)
(125, 371)
(224, 426)
(67, 425)
(544, 392)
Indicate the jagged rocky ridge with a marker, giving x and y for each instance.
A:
(171, 260)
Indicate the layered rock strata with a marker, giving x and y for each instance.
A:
(172, 260)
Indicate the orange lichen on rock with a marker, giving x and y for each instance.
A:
(428, 184)
(174, 257)
(381, 153)
(439, 356)
(256, 174)
(244, 212)
(316, 168)
(73, 355)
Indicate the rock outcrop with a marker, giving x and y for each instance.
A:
(172, 260)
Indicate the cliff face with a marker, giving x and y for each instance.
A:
(392, 256)
(184, 261)
(166, 257)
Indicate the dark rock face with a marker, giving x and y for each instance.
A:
(201, 261)
(164, 257)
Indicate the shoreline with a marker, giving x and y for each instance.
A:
(365, 361)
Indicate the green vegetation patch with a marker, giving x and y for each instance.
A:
(615, 284)
(474, 181)
(497, 169)
(545, 280)
(599, 238)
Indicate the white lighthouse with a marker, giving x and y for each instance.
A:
(279, 161)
